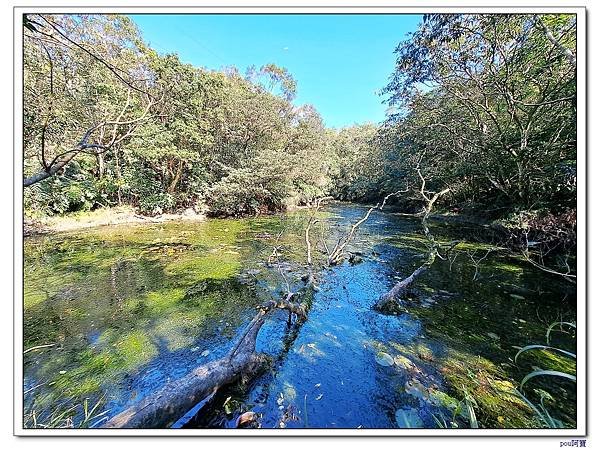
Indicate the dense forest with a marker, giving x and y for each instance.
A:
(484, 104)
(481, 122)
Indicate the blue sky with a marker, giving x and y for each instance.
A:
(339, 61)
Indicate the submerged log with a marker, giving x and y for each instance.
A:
(177, 397)
(391, 301)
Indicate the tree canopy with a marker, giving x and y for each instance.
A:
(483, 104)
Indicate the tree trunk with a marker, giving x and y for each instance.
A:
(51, 171)
(176, 178)
(178, 397)
(165, 406)
(389, 302)
(101, 165)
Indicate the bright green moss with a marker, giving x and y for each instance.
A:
(160, 301)
(134, 349)
(517, 270)
(497, 405)
(217, 265)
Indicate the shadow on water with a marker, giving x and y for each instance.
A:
(131, 307)
(129, 310)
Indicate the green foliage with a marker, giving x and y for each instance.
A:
(157, 203)
(360, 173)
(540, 410)
(485, 103)
(213, 140)
(245, 192)
(73, 192)
(469, 403)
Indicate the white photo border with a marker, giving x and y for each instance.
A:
(582, 262)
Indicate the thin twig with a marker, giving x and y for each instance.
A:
(37, 347)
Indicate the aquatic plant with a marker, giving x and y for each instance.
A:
(540, 409)
(156, 296)
(78, 415)
(465, 408)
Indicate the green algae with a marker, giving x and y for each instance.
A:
(117, 299)
(160, 301)
(133, 349)
(496, 402)
(480, 333)
(134, 287)
(548, 360)
(515, 269)
(217, 265)
(478, 316)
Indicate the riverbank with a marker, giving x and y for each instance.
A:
(116, 215)
(100, 217)
(132, 308)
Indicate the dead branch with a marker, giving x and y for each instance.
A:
(430, 201)
(308, 245)
(452, 260)
(309, 261)
(570, 277)
(389, 301)
(393, 194)
(338, 252)
(84, 146)
(567, 275)
(275, 254)
(477, 262)
(173, 400)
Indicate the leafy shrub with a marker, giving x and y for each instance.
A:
(157, 203)
(61, 195)
(247, 192)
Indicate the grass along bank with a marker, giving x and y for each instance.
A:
(37, 224)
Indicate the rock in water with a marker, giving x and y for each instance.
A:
(408, 418)
(246, 420)
(355, 259)
(383, 359)
(404, 362)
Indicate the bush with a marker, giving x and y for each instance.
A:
(157, 203)
(247, 192)
(61, 195)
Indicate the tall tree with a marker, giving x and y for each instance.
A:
(86, 89)
(492, 98)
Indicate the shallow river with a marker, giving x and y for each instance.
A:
(128, 308)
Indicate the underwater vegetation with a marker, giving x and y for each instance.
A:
(113, 313)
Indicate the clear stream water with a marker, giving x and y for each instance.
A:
(132, 307)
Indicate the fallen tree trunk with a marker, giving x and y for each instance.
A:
(390, 302)
(171, 402)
